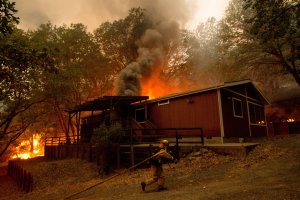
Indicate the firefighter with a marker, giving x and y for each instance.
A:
(155, 166)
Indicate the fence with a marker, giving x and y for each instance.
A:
(175, 135)
(23, 178)
(64, 150)
(283, 128)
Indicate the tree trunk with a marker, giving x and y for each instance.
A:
(4, 149)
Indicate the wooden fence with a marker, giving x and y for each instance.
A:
(283, 128)
(64, 151)
(23, 178)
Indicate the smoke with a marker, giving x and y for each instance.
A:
(171, 15)
(93, 13)
(152, 48)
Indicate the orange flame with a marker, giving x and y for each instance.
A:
(27, 149)
(155, 87)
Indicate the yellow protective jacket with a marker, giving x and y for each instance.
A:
(160, 157)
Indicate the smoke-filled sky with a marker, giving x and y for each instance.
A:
(188, 13)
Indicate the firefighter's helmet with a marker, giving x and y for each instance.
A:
(165, 142)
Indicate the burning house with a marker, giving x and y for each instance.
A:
(233, 109)
(230, 110)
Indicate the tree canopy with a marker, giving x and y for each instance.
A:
(7, 16)
(276, 26)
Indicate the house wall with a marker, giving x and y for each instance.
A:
(234, 126)
(241, 126)
(191, 111)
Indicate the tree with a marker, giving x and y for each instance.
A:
(82, 71)
(260, 38)
(238, 48)
(204, 53)
(117, 40)
(276, 26)
(22, 70)
(245, 56)
(7, 16)
(199, 62)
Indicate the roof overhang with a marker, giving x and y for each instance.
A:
(107, 102)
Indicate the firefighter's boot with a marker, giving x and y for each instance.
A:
(143, 185)
(161, 188)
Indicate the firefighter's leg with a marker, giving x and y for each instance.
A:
(151, 180)
(160, 179)
(160, 183)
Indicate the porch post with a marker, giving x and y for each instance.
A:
(68, 137)
(221, 116)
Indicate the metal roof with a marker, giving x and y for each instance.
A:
(107, 102)
(223, 85)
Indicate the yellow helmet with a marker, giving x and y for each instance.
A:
(165, 142)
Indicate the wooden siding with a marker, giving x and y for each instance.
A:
(234, 126)
(191, 111)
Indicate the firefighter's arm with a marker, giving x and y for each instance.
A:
(163, 153)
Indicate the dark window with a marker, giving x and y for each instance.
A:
(256, 113)
(237, 107)
(140, 115)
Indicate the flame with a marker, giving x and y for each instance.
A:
(155, 87)
(290, 120)
(26, 149)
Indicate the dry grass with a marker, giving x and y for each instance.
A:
(60, 172)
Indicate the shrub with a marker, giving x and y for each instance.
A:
(106, 135)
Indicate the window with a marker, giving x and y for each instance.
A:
(237, 108)
(164, 102)
(140, 115)
(256, 113)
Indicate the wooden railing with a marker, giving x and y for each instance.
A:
(149, 124)
(59, 140)
(130, 143)
(177, 137)
(23, 178)
(55, 141)
(138, 129)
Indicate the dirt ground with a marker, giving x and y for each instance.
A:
(270, 171)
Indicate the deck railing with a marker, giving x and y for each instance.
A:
(133, 140)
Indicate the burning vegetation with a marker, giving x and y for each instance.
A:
(30, 148)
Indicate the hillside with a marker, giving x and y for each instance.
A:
(270, 171)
